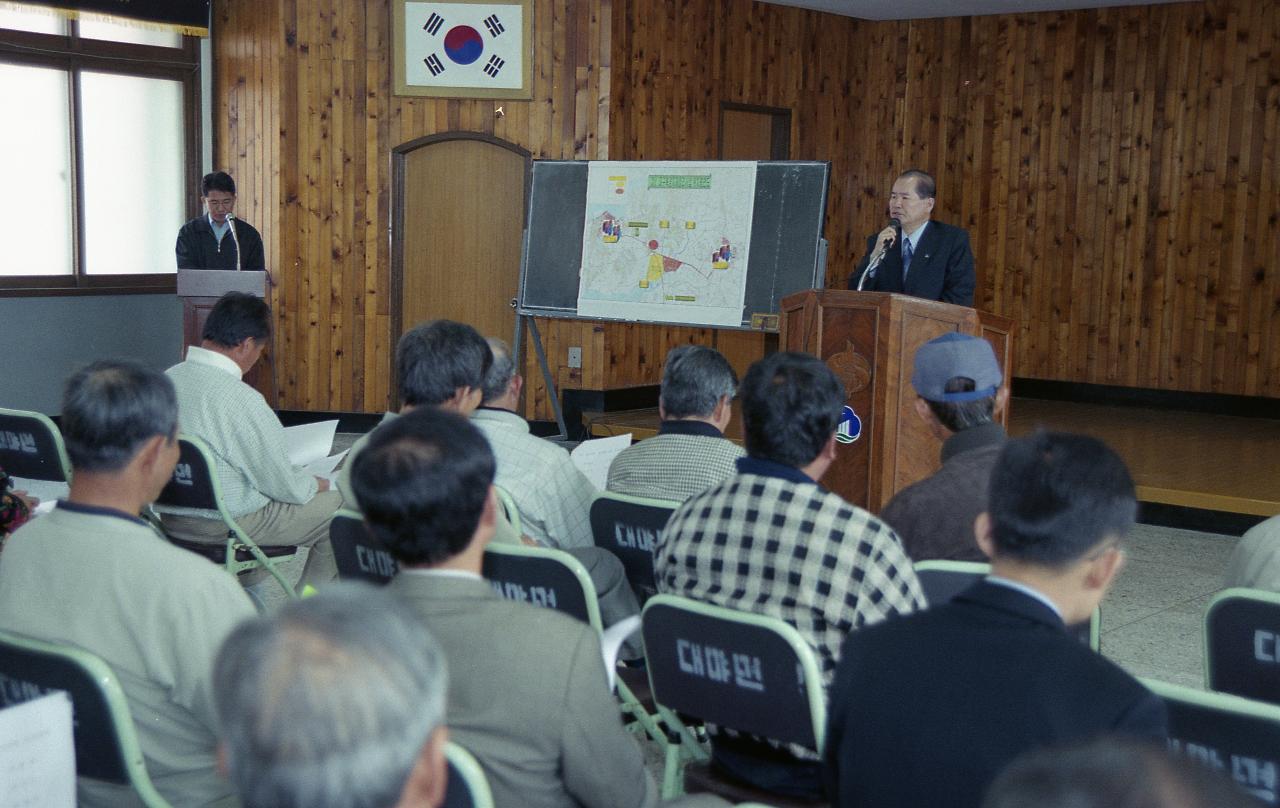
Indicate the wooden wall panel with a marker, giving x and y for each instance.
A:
(306, 121)
(1117, 168)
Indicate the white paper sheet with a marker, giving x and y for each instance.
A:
(324, 467)
(611, 640)
(37, 754)
(310, 442)
(592, 457)
(47, 492)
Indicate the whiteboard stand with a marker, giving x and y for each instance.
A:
(550, 381)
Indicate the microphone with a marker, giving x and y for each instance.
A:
(878, 255)
(231, 222)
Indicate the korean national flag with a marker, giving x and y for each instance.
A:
(464, 45)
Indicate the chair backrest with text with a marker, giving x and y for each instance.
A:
(106, 744)
(1239, 737)
(356, 552)
(629, 527)
(543, 577)
(1242, 644)
(31, 447)
(742, 671)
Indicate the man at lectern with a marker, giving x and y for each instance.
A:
(219, 240)
(914, 255)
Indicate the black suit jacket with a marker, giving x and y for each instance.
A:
(197, 247)
(941, 269)
(927, 709)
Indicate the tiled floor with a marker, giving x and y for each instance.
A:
(1152, 618)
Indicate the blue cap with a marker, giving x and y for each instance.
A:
(954, 354)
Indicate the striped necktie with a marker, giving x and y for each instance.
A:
(907, 252)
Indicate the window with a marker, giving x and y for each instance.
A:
(99, 147)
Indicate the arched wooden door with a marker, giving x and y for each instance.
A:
(458, 211)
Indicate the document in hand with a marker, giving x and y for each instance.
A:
(593, 457)
(309, 446)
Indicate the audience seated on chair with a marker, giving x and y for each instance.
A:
(529, 696)
(1255, 561)
(959, 395)
(927, 709)
(1111, 773)
(553, 496)
(443, 364)
(690, 452)
(275, 502)
(771, 540)
(93, 574)
(335, 701)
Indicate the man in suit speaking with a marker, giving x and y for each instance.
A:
(914, 255)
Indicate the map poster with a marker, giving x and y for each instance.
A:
(667, 242)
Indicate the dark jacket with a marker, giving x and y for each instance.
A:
(198, 247)
(934, 517)
(928, 708)
(941, 269)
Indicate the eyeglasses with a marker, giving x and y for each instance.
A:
(220, 203)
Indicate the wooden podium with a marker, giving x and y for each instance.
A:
(199, 289)
(870, 339)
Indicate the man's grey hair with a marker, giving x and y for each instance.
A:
(111, 408)
(329, 702)
(694, 380)
(501, 372)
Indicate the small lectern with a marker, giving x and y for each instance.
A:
(870, 339)
(199, 289)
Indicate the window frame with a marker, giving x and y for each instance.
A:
(74, 54)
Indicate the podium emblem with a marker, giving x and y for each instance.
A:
(849, 428)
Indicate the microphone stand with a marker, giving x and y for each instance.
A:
(231, 222)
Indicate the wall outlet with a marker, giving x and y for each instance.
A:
(575, 357)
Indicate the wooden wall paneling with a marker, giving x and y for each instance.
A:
(1116, 168)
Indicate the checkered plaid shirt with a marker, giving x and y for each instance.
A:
(674, 465)
(788, 549)
(553, 497)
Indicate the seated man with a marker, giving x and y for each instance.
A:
(442, 364)
(93, 574)
(957, 382)
(334, 701)
(553, 497)
(528, 695)
(1255, 562)
(927, 710)
(274, 501)
(771, 540)
(690, 453)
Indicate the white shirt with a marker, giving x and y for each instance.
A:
(1026, 590)
(246, 437)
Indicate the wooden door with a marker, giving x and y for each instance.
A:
(460, 222)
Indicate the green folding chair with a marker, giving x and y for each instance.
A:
(1238, 736)
(554, 579)
(195, 485)
(31, 446)
(356, 553)
(1242, 644)
(942, 580)
(468, 787)
(106, 744)
(747, 672)
(508, 504)
(629, 527)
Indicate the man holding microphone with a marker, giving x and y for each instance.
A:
(916, 256)
(218, 240)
